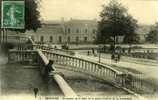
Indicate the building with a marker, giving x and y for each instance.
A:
(72, 31)
(50, 32)
(75, 32)
(81, 31)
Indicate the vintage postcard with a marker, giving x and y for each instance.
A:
(79, 50)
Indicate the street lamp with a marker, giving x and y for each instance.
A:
(99, 50)
(99, 57)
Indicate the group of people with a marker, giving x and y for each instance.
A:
(115, 54)
(116, 57)
(93, 52)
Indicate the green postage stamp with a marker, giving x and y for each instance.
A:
(13, 15)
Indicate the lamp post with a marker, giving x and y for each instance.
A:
(99, 57)
(99, 50)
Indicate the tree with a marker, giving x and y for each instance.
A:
(131, 39)
(115, 21)
(152, 37)
(32, 16)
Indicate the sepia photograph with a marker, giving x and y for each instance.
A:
(78, 49)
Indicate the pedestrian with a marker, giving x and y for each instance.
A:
(93, 51)
(112, 56)
(49, 67)
(88, 53)
(55, 47)
(35, 92)
(116, 58)
(119, 56)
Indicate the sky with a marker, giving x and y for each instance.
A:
(145, 11)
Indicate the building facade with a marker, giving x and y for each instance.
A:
(75, 32)
(81, 31)
(72, 31)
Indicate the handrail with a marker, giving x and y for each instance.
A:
(64, 86)
(33, 43)
(104, 73)
(108, 73)
(50, 48)
(37, 46)
(102, 65)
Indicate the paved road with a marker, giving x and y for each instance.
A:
(123, 58)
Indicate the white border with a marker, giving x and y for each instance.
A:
(2, 26)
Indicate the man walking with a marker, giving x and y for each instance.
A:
(35, 92)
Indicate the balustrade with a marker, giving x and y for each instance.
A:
(104, 72)
(74, 63)
(22, 56)
(97, 70)
(85, 66)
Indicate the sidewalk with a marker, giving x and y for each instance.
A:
(141, 61)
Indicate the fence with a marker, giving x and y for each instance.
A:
(103, 72)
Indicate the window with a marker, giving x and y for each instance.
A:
(51, 39)
(42, 39)
(60, 39)
(69, 30)
(68, 39)
(77, 30)
(85, 39)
